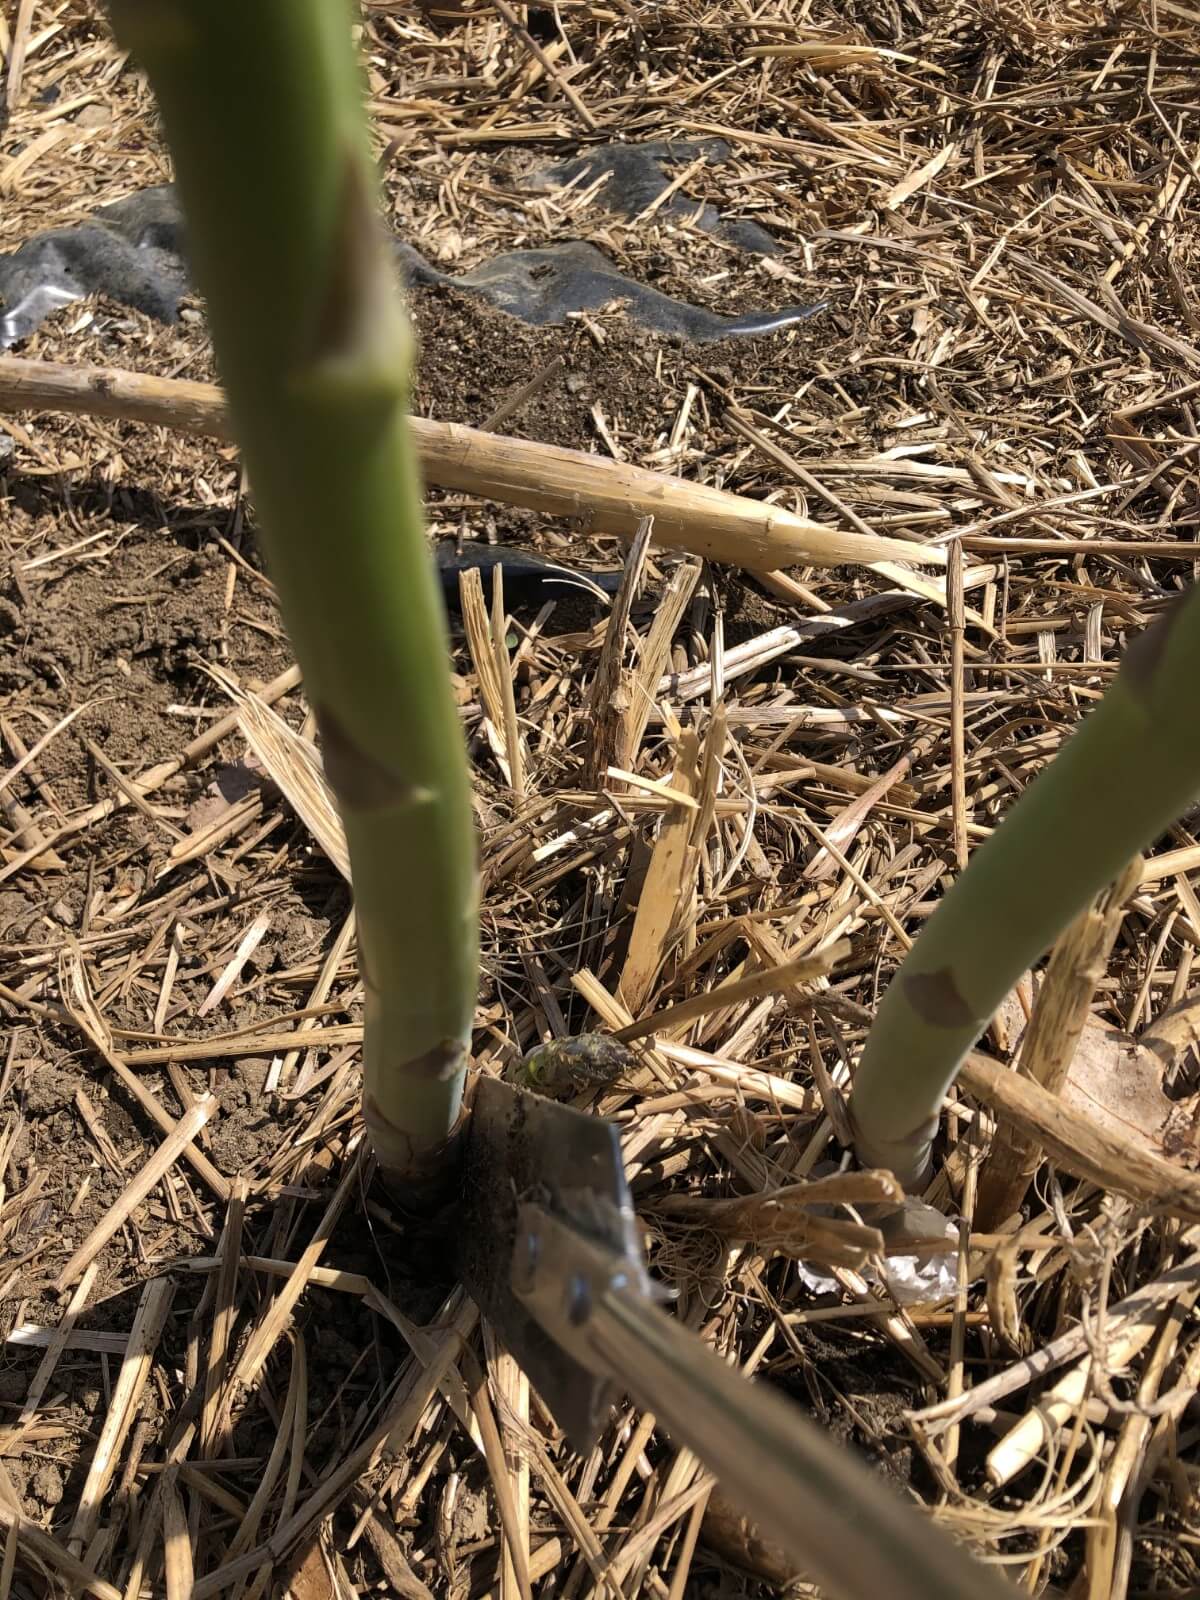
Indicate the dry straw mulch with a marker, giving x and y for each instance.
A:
(224, 1359)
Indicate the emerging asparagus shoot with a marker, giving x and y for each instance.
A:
(263, 115)
(1129, 770)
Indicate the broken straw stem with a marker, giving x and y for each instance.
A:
(608, 496)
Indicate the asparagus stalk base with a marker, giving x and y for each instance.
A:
(263, 115)
(1129, 770)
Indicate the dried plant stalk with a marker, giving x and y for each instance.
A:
(795, 1220)
(670, 880)
(1083, 1144)
(653, 660)
(709, 522)
(774, 980)
(144, 1335)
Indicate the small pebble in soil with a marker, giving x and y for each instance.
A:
(46, 1485)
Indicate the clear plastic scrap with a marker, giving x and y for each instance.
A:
(913, 1279)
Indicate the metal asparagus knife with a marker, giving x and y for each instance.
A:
(550, 1251)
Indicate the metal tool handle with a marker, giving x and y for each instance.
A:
(839, 1522)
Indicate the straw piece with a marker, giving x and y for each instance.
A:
(155, 1169)
(655, 649)
(708, 522)
(177, 1545)
(772, 981)
(294, 766)
(671, 873)
(43, 1548)
(229, 1255)
(279, 1311)
(82, 1010)
(612, 686)
(1059, 1016)
(1080, 1145)
(511, 1388)
(504, 671)
(515, 1539)
(144, 1336)
(1024, 1442)
(248, 944)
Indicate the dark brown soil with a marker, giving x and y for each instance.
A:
(945, 386)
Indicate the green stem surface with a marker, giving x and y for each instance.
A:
(1129, 770)
(262, 106)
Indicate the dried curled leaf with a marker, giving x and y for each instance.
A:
(798, 1220)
